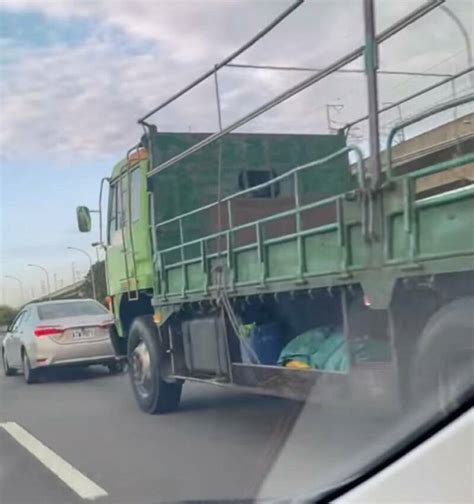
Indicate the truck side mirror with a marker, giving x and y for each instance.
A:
(83, 219)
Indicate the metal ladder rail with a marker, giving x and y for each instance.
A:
(130, 230)
(123, 223)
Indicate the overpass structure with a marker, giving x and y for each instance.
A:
(439, 144)
(436, 145)
(74, 290)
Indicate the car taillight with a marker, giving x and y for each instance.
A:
(48, 331)
(107, 324)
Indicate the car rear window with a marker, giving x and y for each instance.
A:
(60, 310)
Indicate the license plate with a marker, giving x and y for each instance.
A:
(83, 333)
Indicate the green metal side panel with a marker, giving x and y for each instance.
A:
(195, 276)
(358, 249)
(175, 280)
(323, 253)
(442, 228)
(399, 238)
(248, 267)
(282, 259)
(442, 225)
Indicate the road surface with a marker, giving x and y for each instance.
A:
(216, 446)
(221, 444)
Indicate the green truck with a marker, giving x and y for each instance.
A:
(223, 249)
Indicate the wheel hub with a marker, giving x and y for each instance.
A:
(141, 368)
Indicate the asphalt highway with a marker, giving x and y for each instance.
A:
(78, 436)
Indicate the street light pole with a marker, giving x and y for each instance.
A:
(47, 277)
(94, 291)
(20, 283)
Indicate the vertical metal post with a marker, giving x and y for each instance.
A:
(104, 179)
(171, 350)
(371, 65)
(230, 243)
(204, 265)
(453, 93)
(345, 326)
(94, 289)
(153, 229)
(299, 238)
(261, 251)
(219, 164)
(183, 265)
(218, 98)
(163, 275)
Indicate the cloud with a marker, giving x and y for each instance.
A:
(82, 101)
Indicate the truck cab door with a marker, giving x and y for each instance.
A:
(128, 251)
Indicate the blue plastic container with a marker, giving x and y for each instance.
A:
(267, 343)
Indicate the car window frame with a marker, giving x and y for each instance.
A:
(90, 302)
(16, 321)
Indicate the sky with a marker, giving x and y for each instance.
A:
(75, 75)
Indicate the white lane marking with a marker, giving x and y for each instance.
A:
(74, 479)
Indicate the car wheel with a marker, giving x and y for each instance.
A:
(443, 368)
(115, 367)
(153, 393)
(8, 371)
(31, 375)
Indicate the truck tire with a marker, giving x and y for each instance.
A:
(443, 367)
(153, 393)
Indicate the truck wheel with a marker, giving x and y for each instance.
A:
(443, 368)
(153, 393)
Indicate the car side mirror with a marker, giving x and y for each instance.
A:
(83, 219)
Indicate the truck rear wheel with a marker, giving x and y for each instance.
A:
(443, 368)
(153, 393)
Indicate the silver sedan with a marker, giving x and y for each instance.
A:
(58, 333)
